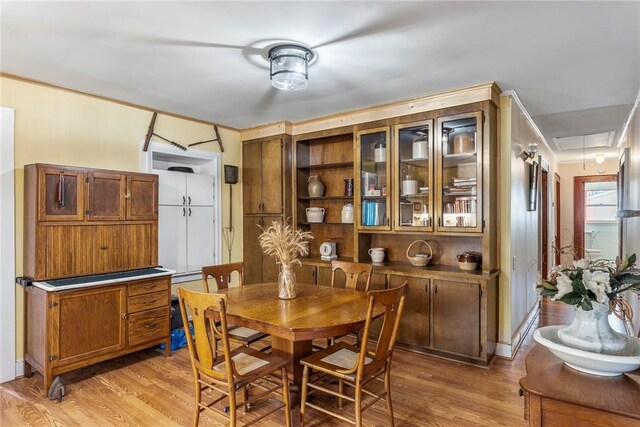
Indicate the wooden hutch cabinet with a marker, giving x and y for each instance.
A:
(266, 162)
(94, 234)
(424, 169)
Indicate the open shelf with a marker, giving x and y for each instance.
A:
(451, 160)
(325, 223)
(327, 198)
(327, 165)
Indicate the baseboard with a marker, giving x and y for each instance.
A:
(509, 351)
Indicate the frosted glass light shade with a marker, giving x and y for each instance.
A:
(289, 66)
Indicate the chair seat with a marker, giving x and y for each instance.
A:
(339, 356)
(249, 361)
(245, 335)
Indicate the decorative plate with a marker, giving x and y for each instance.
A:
(592, 363)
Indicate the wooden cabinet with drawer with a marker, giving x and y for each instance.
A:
(70, 329)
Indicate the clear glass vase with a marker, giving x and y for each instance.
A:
(286, 283)
(591, 331)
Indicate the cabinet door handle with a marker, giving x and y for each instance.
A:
(127, 195)
(435, 289)
(184, 211)
(189, 211)
(124, 315)
(189, 198)
(184, 200)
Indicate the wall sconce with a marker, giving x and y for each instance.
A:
(530, 153)
(600, 158)
(627, 213)
(289, 66)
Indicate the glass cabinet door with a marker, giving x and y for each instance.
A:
(413, 172)
(460, 172)
(373, 185)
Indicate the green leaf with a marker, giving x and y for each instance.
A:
(586, 305)
(548, 293)
(547, 285)
(572, 298)
(578, 286)
(631, 261)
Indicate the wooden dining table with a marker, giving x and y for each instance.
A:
(316, 312)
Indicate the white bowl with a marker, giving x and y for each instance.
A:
(592, 363)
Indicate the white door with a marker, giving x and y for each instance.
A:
(172, 237)
(171, 188)
(200, 237)
(199, 189)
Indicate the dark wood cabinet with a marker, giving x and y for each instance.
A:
(262, 176)
(456, 314)
(71, 329)
(59, 193)
(106, 196)
(414, 324)
(265, 178)
(108, 221)
(305, 274)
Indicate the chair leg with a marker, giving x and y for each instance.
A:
(196, 415)
(286, 397)
(341, 391)
(245, 399)
(232, 406)
(303, 397)
(387, 388)
(358, 405)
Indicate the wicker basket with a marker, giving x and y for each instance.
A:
(418, 259)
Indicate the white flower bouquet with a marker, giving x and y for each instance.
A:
(599, 281)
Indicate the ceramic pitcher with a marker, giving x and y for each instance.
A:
(316, 186)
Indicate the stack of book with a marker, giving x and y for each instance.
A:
(374, 213)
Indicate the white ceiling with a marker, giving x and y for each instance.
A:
(574, 65)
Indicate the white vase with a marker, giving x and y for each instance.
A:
(592, 332)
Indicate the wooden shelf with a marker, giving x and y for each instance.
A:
(327, 198)
(452, 160)
(327, 165)
(374, 197)
(325, 223)
(420, 163)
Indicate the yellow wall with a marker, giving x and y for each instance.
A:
(519, 228)
(567, 172)
(62, 127)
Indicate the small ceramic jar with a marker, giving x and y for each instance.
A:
(347, 213)
(315, 214)
(376, 254)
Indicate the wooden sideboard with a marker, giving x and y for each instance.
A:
(557, 395)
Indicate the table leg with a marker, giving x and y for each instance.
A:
(293, 351)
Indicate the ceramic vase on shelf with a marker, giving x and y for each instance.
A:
(316, 186)
(286, 283)
(591, 331)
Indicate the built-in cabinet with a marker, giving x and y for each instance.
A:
(265, 164)
(430, 176)
(82, 221)
(186, 223)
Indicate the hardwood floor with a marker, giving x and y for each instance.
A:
(145, 389)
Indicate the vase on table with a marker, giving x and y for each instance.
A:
(286, 283)
(591, 331)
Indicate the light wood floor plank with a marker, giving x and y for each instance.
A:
(147, 389)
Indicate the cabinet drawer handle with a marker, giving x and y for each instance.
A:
(151, 326)
(127, 195)
(124, 315)
(151, 301)
(104, 247)
(149, 286)
(184, 200)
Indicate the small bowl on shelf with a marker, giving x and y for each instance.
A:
(469, 261)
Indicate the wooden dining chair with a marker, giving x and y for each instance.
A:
(221, 274)
(355, 366)
(235, 369)
(352, 271)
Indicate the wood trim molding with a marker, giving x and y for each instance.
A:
(483, 92)
(557, 214)
(578, 208)
(116, 101)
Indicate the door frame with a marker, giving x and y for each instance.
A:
(557, 227)
(9, 367)
(578, 208)
(544, 219)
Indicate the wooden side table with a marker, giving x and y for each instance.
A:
(557, 395)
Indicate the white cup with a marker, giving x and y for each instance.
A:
(376, 254)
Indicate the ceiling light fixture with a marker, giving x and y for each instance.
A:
(289, 66)
(600, 158)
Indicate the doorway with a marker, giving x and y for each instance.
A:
(556, 205)
(595, 229)
(544, 222)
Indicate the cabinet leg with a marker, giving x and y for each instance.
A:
(167, 348)
(27, 371)
(57, 390)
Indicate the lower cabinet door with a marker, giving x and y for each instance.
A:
(305, 274)
(200, 237)
(414, 324)
(88, 323)
(148, 325)
(456, 317)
